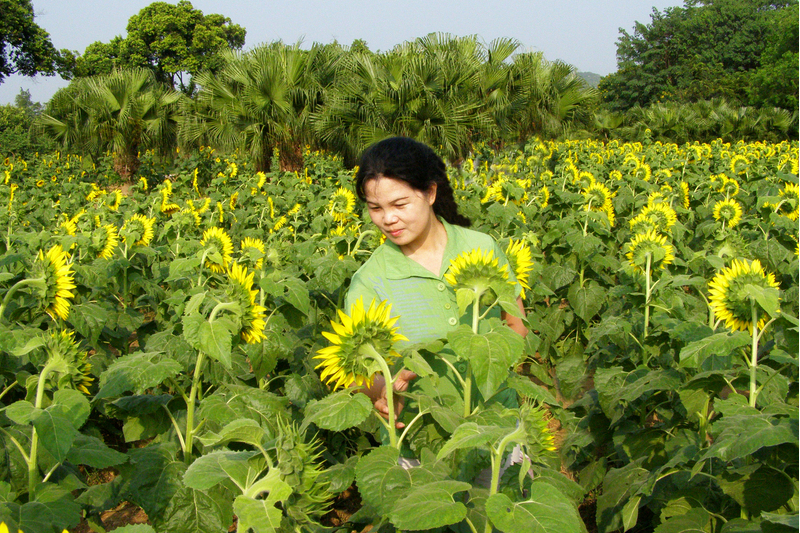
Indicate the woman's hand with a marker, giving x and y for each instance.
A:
(377, 393)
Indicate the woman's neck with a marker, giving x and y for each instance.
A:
(428, 250)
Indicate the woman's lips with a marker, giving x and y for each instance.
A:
(395, 233)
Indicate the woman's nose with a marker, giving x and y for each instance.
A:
(390, 217)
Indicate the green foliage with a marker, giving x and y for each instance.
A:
(733, 49)
(25, 47)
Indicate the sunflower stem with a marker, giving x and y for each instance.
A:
(648, 290)
(754, 354)
(190, 406)
(33, 470)
(371, 352)
(468, 377)
(14, 289)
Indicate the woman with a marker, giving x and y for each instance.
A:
(405, 186)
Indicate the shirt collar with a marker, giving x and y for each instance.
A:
(398, 266)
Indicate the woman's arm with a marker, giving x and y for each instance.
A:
(516, 323)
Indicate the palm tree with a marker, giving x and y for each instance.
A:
(125, 111)
(261, 101)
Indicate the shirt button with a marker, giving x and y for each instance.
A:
(447, 306)
(453, 321)
(440, 286)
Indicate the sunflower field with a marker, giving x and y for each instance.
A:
(180, 343)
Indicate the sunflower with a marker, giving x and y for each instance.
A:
(138, 229)
(115, 203)
(341, 205)
(641, 223)
(252, 252)
(790, 195)
(476, 270)
(520, 261)
(730, 300)
(729, 212)
(216, 240)
(739, 164)
(54, 268)
(348, 360)
(67, 361)
(543, 197)
(685, 194)
(233, 200)
(539, 439)
(730, 187)
(241, 291)
(106, 239)
(663, 216)
(652, 244)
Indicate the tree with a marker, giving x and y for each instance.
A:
(171, 40)
(704, 50)
(126, 111)
(25, 47)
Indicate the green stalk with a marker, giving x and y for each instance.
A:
(33, 470)
(754, 354)
(190, 406)
(468, 376)
(648, 290)
(14, 289)
(497, 458)
(370, 352)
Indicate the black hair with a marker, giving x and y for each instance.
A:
(416, 164)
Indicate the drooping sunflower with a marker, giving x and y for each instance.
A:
(789, 206)
(729, 212)
(341, 205)
(252, 252)
(216, 240)
(106, 238)
(685, 194)
(662, 215)
(347, 360)
(653, 244)
(475, 270)
(729, 297)
(138, 229)
(543, 197)
(521, 262)
(241, 291)
(67, 363)
(54, 267)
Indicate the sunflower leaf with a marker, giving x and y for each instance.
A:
(215, 339)
(338, 411)
(767, 297)
(546, 511)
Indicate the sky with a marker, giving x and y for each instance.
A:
(582, 33)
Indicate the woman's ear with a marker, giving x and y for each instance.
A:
(432, 193)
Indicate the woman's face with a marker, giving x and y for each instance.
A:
(401, 212)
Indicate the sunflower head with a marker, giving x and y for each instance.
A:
(543, 197)
(729, 212)
(789, 204)
(539, 440)
(663, 216)
(68, 364)
(56, 292)
(596, 196)
(341, 205)
(521, 262)
(477, 275)
(685, 198)
(649, 244)
(218, 249)
(731, 298)
(252, 252)
(138, 230)
(105, 239)
(355, 339)
(240, 290)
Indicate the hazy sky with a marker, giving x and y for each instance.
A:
(580, 32)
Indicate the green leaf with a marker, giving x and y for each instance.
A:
(245, 430)
(72, 405)
(379, 478)
(743, 435)
(695, 353)
(22, 412)
(694, 521)
(417, 364)
(491, 354)
(430, 506)
(339, 477)
(464, 298)
(93, 452)
(297, 295)
(586, 301)
(183, 267)
(471, 435)
(619, 486)
(56, 432)
(338, 411)
(218, 466)
(136, 372)
(768, 298)
(259, 515)
(528, 389)
(757, 488)
(89, 319)
(154, 477)
(546, 511)
(195, 511)
(215, 339)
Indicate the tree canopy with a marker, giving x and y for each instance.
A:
(172, 40)
(745, 51)
(25, 47)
